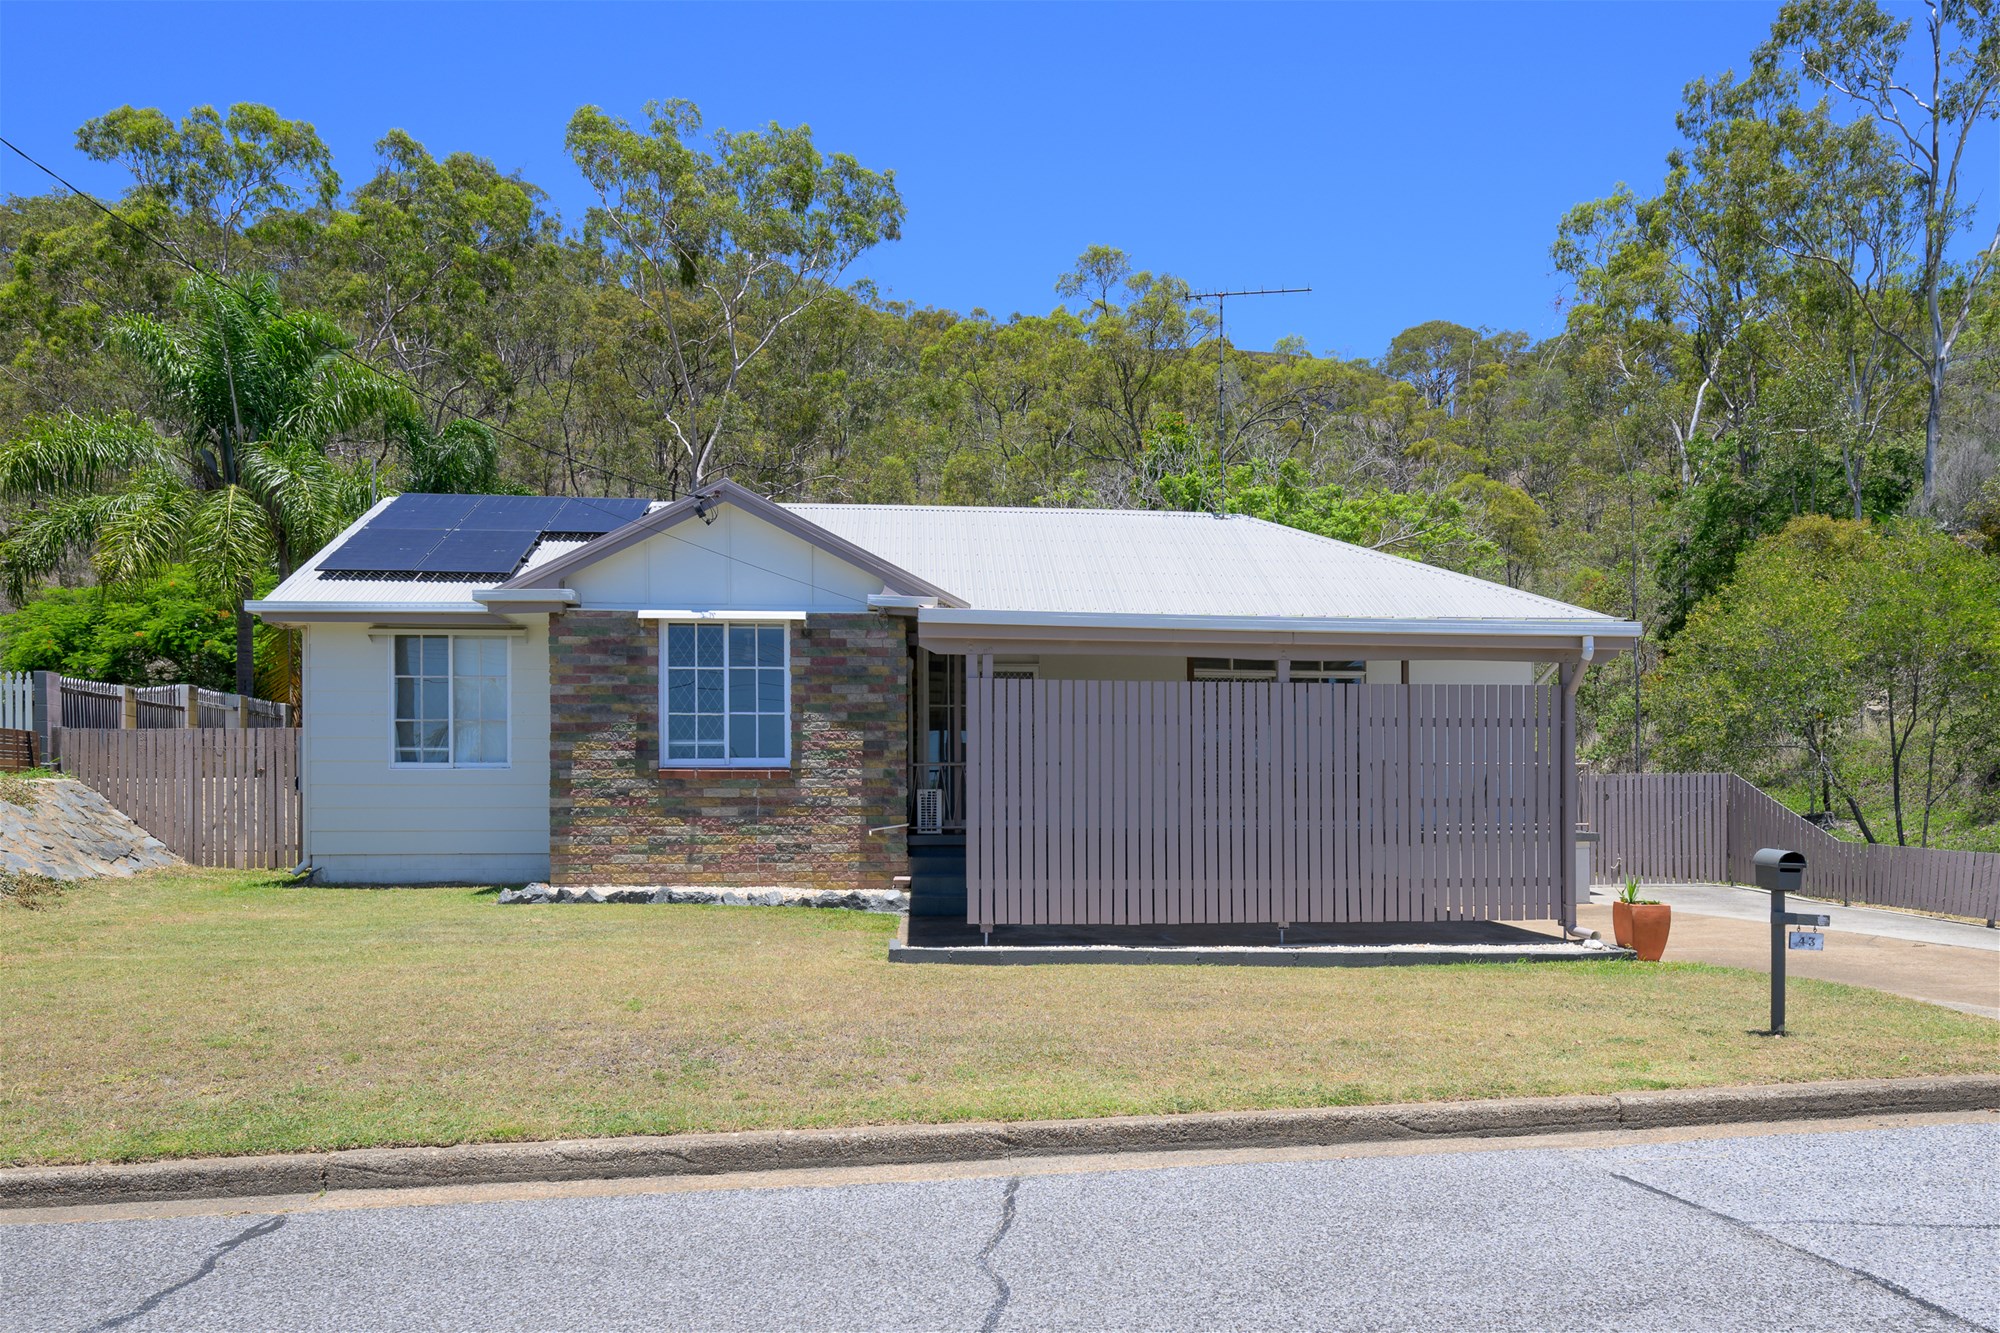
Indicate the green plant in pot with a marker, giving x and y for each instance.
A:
(1640, 924)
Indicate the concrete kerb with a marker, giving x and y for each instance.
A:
(894, 1145)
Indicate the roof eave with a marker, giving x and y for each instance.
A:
(953, 630)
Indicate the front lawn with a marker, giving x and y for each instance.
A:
(215, 1012)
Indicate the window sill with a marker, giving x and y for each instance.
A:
(723, 772)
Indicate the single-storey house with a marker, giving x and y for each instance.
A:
(1110, 716)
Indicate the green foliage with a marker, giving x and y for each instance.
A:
(1630, 894)
(1832, 632)
(723, 244)
(1429, 527)
(166, 631)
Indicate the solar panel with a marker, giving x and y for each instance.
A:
(385, 549)
(470, 536)
(436, 512)
(596, 516)
(478, 551)
(515, 513)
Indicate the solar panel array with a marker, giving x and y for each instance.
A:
(470, 537)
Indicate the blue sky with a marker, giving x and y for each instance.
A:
(1407, 162)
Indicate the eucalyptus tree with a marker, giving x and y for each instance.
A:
(1685, 283)
(229, 471)
(421, 262)
(1139, 328)
(205, 182)
(723, 243)
(1929, 104)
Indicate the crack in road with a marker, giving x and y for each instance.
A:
(1002, 1293)
(1835, 1264)
(147, 1306)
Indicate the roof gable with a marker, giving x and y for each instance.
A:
(662, 520)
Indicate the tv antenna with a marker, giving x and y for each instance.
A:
(1221, 300)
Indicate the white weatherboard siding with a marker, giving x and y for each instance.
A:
(369, 821)
(739, 562)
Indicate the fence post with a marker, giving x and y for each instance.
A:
(190, 705)
(128, 708)
(239, 715)
(46, 685)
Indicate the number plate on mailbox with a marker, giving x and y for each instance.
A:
(1812, 940)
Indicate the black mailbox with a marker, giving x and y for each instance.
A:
(1778, 870)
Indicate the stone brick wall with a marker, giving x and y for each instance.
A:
(617, 818)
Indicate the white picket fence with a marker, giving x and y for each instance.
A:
(17, 700)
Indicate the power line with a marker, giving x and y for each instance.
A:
(177, 257)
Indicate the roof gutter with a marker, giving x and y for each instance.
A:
(950, 630)
(1584, 630)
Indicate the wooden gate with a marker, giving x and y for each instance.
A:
(215, 796)
(1161, 802)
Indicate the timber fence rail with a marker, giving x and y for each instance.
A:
(53, 703)
(1167, 802)
(1703, 828)
(216, 796)
(95, 703)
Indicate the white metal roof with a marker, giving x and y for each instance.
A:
(1138, 562)
(1070, 562)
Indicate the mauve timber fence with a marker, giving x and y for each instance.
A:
(216, 796)
(1703, 828)
(1143, 802)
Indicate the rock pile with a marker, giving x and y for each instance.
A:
(71, 832)
(857, 900)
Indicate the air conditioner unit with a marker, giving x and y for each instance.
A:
(930, 810)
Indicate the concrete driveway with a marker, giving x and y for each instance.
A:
(1950, 963)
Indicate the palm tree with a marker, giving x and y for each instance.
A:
(230, 475)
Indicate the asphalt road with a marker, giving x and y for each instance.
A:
(1872, 1229)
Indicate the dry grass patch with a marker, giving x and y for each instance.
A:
(184, 1013)
(32, 892)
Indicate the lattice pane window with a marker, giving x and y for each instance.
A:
(726, 699)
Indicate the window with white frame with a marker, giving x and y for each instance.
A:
(450, 700)
(725, 696)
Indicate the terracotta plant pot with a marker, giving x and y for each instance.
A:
(1642, 928)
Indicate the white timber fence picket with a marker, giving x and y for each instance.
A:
(1693, 828)
(17, 700)
(216, 796)
(1167, 802)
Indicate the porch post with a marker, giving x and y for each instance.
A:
(1570, 675)
(979, 831)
